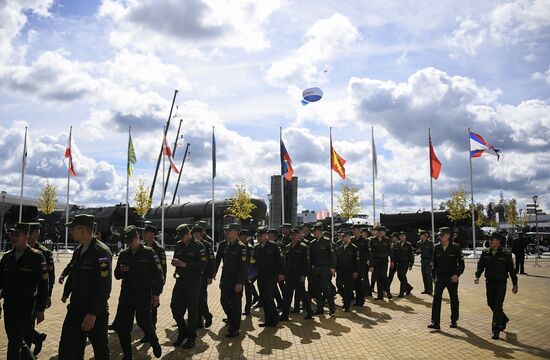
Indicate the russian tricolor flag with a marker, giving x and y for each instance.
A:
(480, 146)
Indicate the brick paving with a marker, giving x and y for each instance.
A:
(380, 330)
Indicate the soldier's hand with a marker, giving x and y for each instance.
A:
(61, 279)
(333, 272)
(178, 263)
(88, 323)
(209, 281)
(48, 302)
(354, 275)
(64, 299)
(392, 265)
(410, 268)
(39, 317)
(476, 281)
(431, 263)
(238, 288)
(280, 277)
(302, 279)
(155, 301)
(454, 278)
(371, 269)
(124, 268)
(515, 289)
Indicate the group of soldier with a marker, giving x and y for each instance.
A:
(295, 263)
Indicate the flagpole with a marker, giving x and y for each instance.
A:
(472, 194)
(162, 198)
(68, 187)
(431, 182)
(373, 182)
(213, 184)
(282, 181)
(331, 191)
(23, 163)
(127, 176)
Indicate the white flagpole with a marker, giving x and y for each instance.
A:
(127, 177)
(431, 182)
(331, 192)
(23, 161)
(282, 182)
(68, 187)
(472, 194)
(213, 184)
(373, 182)
(164, 144)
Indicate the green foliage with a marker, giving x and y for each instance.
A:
(349, 202)
(240, 204)
(47, 199)
(457, 206)
(142, 201)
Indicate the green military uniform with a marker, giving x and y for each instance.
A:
(297, 268)
(269, 262)
(347, 263)
(361, 283)
(426, 250)
(204, 312)
(235, 259)
(447, 262)
(323, 259)
(185, 296)
(90, 287)
(380, 249)
(519, 244)
(403, 259)
(24, 287)
(497, 266)
(251, 295)
(141, 275)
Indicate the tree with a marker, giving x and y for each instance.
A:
(523, 220)
(142, 201)
(480, 215)
(47, 199)
(512, 213)
(349, 203)
(457, 206)
(240, 204)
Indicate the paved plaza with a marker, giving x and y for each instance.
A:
(381, 330)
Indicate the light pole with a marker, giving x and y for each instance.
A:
(2, 221)
(535, 198)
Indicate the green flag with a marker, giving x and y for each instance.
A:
(131, 156)
(213, 155)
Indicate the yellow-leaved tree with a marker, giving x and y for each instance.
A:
(349, 202)
(142, 201)
(240, 204)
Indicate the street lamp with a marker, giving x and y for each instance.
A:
(535, 198)
(2, 221)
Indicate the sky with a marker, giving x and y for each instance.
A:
(400, 67)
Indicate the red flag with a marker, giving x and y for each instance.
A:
(337, 162)
(435, 164)
(69, 155)
(168, 152)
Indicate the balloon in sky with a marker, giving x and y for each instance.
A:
(311, 95)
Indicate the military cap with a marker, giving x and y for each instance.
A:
(226, 227)
(496, 235)
(202, 224)
(182, 229)
(381, 228)
(286, 226)
(347, 232)
(444, 230)
(243, 232)
(82, 220)
(196, 228)
(20, 227)
(394, 234)
(273, 231)
(318, 226)
(422, 231)
(308, 225)
(151, 228)
(357, 226)
(295, 231)
(33, 226)
(299, 227)
(130, 232)
(261, 230)
(364, 229)
(402, 233)
(234, 226)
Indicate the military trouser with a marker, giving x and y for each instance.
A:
(322, 281)
(31, 335)
(496, 292)
(251, 294)
(18, 319)
(366, 289)
(344, 281)
(520, 262)
(380, 276)
(279, 293)
(391, 275)
(232, 304)
(440, 285)
(267, 285)
(135, 302)
(402, 269)
(426, 267)
(73, 339)
(204, 311)
(185, 298)
(294, 286)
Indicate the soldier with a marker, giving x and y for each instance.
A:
(251, 295)
(297, 270)
(380, 248)
(448, 266)
(34, 336)
(90, 288)
(149, 239)
(269, 261)
(307, 236)
(347, 268)
(204, 316)
(361, 283)
(518, 248)
(394, 238)
(139, 269)
(190, 260)
(323, 269)
(285, 234)
(497, 264)
(426, 250)
(233, 253)
(24, 287)
(403, 260)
